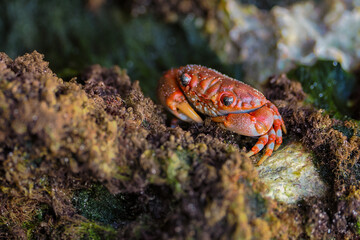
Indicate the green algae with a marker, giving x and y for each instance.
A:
(95, 231)
(96, 203)
(328, 86)
(177, 168)
(33, 225)
(88, 230)
(348, 131)
(357, 226)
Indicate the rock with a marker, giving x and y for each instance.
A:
(291, 175)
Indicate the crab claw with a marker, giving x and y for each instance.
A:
(171, 96)
(182, 109)
(263, 122)
(254, 123)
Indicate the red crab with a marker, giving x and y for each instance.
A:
(234, 104)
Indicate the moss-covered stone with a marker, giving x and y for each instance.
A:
(96, 203)
(83, 164)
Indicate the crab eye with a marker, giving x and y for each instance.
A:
(227, 100)
(185, 79)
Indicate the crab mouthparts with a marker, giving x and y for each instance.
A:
(186, 109)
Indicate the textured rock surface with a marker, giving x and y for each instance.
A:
(290, 174)
(96, 160)
(274, 41)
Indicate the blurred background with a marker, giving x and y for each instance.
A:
(315, 42)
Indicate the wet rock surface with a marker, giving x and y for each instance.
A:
(72, 151)
(291, 175)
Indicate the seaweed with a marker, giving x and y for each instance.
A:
(328, 86)
(96, 203)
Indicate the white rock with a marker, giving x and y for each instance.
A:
(290, 174)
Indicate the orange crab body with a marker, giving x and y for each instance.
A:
(235, 105)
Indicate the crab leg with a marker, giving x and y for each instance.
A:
(278, 133)
(278, 121)
(263, 122)
(269, 147)
(260, 144)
